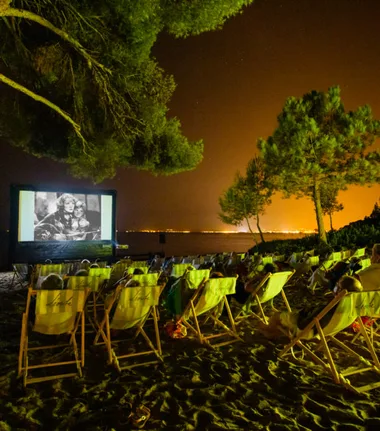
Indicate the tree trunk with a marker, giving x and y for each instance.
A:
(318, 212)
(258, 227)
(250, 229)
(331, 226)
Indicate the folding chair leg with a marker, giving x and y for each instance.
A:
(108, 342)
(369, 344)
(158, 339)
(22, 344)
(261, 310)
(196, 323)
(330, 360)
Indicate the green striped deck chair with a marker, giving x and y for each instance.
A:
(267, 259)
(133, 306)
(50, 268)
(102, 264)
(179, 269)
(270, 286)
(208, 301)
(350, 306)
(57, 312)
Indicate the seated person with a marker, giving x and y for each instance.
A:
(293, 323)
(81, 273)
(244, 290)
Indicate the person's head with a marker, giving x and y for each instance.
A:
(132, 283)
(52, 282)
(94, 265)
(66, 203)
(216, 274)
(269, 268)
(81, 273)
(138, 271)
(351, 284)
(80, 209)
(375, 258)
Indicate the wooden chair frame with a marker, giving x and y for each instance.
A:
(327, 363)
(104, 331)
(205, 339)
(255, 296)
(23, 360)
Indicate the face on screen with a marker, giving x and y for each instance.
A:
(79, 212)
(69, 205)
(54, 216)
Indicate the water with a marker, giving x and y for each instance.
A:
(182, 244)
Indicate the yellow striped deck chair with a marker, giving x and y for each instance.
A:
(150, 279)
(208, 301)
(350, 306)
(195, 277)
(103, 273)
(134, 305)
(268, 288)
(346, 254)
(139, 264)
(92, 284)
(359, 252)
(364, 263)
(143, 268)
(336, 256)
(51, 268)
(179, 269)
(57, 312)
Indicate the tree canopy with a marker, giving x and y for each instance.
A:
(247, 197)
(317, 142)
(329, 201)
(80, 84)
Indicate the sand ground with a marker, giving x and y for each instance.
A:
(238, 387)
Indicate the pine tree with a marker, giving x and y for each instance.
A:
(317, 142)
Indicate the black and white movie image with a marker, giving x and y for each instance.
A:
(67, 217)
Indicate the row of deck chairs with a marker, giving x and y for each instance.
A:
(66, 312)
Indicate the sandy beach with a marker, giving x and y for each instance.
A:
(238, 387)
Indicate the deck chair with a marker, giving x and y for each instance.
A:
(208, 300)
(335, 256)
(364, 263)
(139, 264)
(103, 273)
(359, 252)
(46, 269)
(269, 288)
(150, 279)
(180, 268)
(20, 275)
(134, 305)
(57, 312)
(131, 269)
(349, 307)
(346, 254)
(91, 284)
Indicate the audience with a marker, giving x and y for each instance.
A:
(293, 323)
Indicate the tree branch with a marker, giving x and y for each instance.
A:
(46, 102)
(19, 13)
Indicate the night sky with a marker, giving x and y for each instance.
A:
(232, 84)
